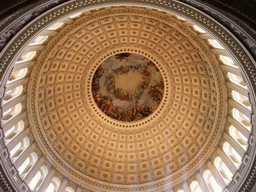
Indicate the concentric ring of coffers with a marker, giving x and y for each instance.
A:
(164, 146)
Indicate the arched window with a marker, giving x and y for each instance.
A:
(215, 43)
(14, 130)
(27, 56)
(75, 15)
(241, 139)
(194, 186)
(39, 40)
(241, 98)
(56, 26)
(211, 182)
(54, 185)
(38, 178)
(241, 118)
(22, 145)
(69, 189)
(180, 18)
(234, 156)
(15, 110)
(227, 60)
(28, 163)
(236, 79)
(198, 29)
(13, 93)
(18, 74)
(223, 169)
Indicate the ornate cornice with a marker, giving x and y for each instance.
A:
(16, 21)
(240, 28)
(4, 180)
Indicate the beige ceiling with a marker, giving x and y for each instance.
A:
(166, 146)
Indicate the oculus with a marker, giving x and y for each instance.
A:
(127, 87)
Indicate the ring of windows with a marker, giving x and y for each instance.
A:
(55, 182)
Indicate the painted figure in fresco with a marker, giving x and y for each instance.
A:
(146, 111)
(98, 99)
(122, 114)
(145, 82)
(123, 95)
(150, 63)
(136, 95)
(136, 112)
(135, 67)
(95, 86)
(99, 72)
(111, 86)
(95, 82)
(118, 70)
(135, 109)
(106, 93)
(122, 56)
(109, 76)
(106, 105)
(146, 73)
(126, 70)
(156, 92)
(113, 112)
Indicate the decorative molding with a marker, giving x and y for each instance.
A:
(4, 180)
(240, 54)
(51, 50)
(11, 25)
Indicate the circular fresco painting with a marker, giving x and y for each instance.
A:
(127, 87)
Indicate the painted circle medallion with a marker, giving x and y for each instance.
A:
(127, 87)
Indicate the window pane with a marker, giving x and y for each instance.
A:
(200, 30)
(15, 149)
(215, 43)
(241, 139)
(181, 18)
(7, 133)
(227, 60)
(75, 15)
(50, 188)
(24, 165)
(241, 98)
(194, 186)
(35, 180)
(209, 179)
(241, 118)
(18, 75)
(27, 56)
(39, 40)
(69, 189)
(236, 79)
(13, 93)
(56, 26)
